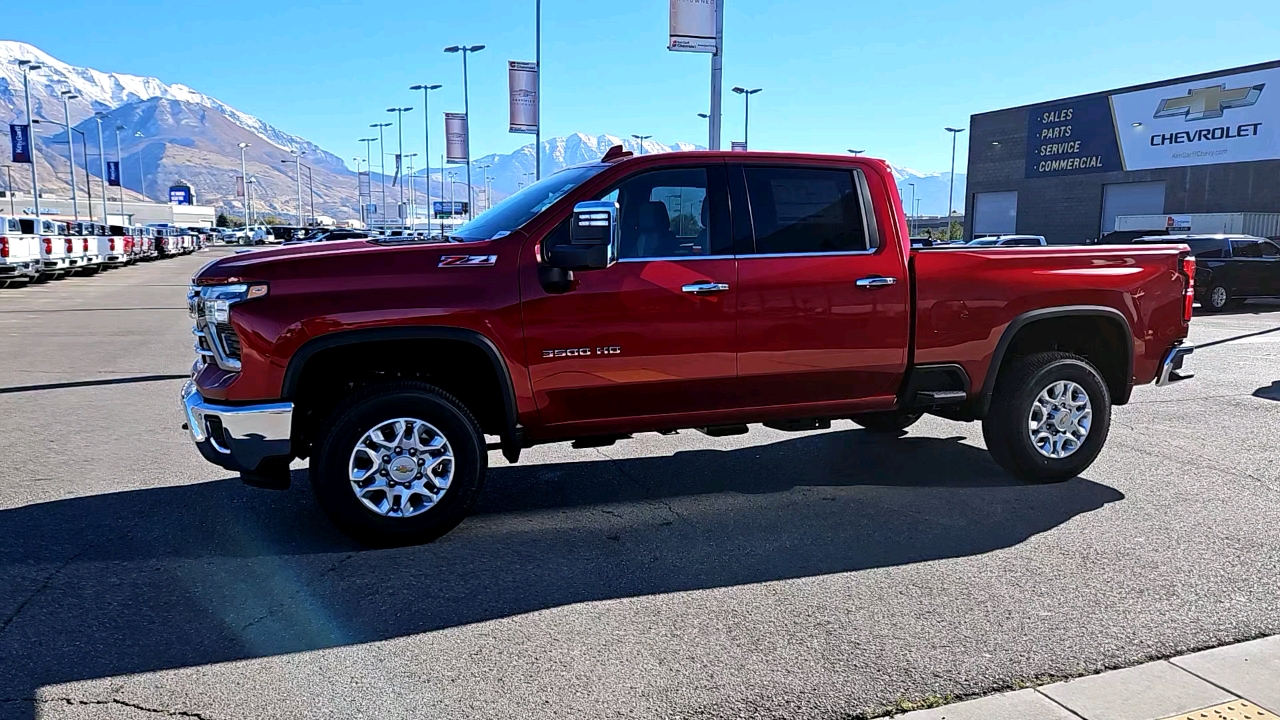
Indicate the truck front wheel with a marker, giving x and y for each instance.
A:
(399, 463)
(1049, 417)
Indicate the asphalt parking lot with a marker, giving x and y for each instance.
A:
(814, 575)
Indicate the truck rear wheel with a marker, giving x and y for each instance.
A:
(399, 463)
(1049, 417)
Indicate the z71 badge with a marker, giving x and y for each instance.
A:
(468, 260)
(582, 352)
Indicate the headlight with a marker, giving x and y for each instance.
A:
(211, 306)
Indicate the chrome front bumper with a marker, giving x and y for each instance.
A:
(1171, 365)
(241, 437)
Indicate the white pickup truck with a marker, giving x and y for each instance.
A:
(19, 254)
(53, 244)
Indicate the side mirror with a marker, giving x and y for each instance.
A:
(593, 238)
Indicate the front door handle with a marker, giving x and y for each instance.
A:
(705, 288)
(876, 281)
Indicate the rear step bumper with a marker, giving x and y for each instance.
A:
(1171, 366)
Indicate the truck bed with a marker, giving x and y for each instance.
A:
(966, 298)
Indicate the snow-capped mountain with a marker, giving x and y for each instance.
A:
(930, 190)
(104, 91)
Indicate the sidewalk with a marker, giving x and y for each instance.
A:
(1235, 682)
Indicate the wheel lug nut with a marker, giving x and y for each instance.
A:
(386, 458)
(421, 462)
(413, 452)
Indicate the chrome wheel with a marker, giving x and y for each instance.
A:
(1060, 419)
(401, 468)
(1218, 297)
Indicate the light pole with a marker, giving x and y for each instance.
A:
(297, 171)
(8, 188)
(102, 165)
(400, 111)
(413, 189)
(244, 182)
(856, 153)
(746, 122)
(488, 199)
(71, 150)
(368, 160)
(951, 187)
(311, 194)
(641, 139)
(426, 139)
(917, 208)
(142, 175)
(453, 176)
(912, 230)
(27, 66)
(537, 89)
(382, 150)
(717, 74)
(466, 108)
(67, 96)
(248, 194)
(119, 165)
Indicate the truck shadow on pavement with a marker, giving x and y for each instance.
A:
(161, 578)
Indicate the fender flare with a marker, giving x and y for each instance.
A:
(1110, 314)
(513, 433)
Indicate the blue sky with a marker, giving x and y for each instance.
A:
(885, 77)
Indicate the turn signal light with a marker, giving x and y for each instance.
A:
(1189, 274)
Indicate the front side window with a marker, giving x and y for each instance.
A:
(664, 213)
(803, 210)
(1246, 249)
(1268, 250)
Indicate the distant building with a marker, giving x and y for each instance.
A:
(1066, 169)
(134, 213)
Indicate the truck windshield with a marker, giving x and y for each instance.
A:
(520, 208)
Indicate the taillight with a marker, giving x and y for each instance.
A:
(48, 246)
(112, 245)
(1189, 273)
(4, 247)
(86, 244)
(69, 246)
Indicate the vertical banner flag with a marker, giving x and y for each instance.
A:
(362, 188)
(113, 173)
(455, 135)
(239, 186)
(693, 26)
(20, 137)
(523, 80)
(396, 179)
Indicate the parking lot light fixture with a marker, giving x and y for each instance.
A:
(466, 108)
(641, 139)
(856, 153)
(382, 150)
(426, 139)
(746, 94)
(27, 66)
(951, 190)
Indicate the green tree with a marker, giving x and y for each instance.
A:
(226, 221)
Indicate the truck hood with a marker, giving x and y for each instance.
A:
(340, 258)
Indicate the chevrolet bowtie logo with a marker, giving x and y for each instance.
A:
(1209, 102)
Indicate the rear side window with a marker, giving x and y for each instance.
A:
(1268, 250)
(1206, 249)
(11, 225)
(804, 210)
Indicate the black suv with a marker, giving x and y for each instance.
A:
(1230, 268)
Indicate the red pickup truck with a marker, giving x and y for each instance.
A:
(697, 290)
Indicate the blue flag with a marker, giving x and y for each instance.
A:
(20, 138)
(113, 173)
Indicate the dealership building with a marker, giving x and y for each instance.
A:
(1066, 169)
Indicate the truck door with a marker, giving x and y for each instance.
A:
(654, 334)
(822, 293)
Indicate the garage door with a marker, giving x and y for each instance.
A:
(995, 213)
(1144, 198)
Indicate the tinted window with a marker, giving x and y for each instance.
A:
(1269, 250)
(1203, 248)
(799, 210)
(1023, 242)
(1246, 249)
(664, 213)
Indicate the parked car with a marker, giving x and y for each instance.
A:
(651, 294)
(1230, 268)
(53, 245)
(328, 235)
(84, 241)
(1008, 241)
(19, 254)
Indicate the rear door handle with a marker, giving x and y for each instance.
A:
(705, 288)
(876, 281)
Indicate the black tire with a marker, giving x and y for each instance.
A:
(1215, 301)
(364, 411)
(1017, 387)
(41, 279)
(893, 422)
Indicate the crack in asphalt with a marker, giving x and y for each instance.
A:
(112, 701)
(330, 570)
(40, 588)
(648, 491)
